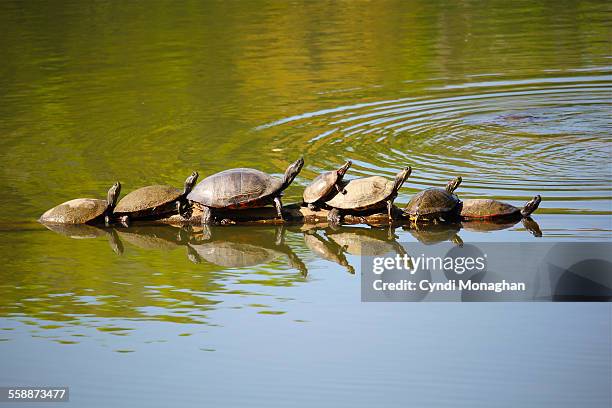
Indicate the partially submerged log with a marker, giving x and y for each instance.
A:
(293, 213)
(296, 214)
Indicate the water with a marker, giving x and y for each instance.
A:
(514, 97)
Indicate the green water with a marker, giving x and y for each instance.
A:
(513, 96)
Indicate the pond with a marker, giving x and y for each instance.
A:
(515, 97)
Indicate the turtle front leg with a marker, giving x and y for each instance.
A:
(390, 210)
(184, 209)
(279, 207)
(207, 217)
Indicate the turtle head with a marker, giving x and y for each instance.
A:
(400, 178)
(342, 170)
(292, 171)
(190, 182)
(531, 206)
(453, 184)
(113, 195)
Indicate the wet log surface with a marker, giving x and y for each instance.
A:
(293, 213)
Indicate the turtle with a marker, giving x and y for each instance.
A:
(492, 209)
(241, 188)
(365, 194)
(83, 210)
(154, 201)
(435, 204)
(325, 185)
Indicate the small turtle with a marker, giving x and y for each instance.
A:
(489, 209)
(435, 204)
(324, 185)
(154, 201)
(241, 188)
(365, 194)
(83, 210)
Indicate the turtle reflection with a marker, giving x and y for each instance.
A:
(238, 247)
(327, 249)
(432, 234)
(155, 237)
(366, 241)
(502, 224)
(85, 231)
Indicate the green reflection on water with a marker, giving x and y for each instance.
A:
(513, 96)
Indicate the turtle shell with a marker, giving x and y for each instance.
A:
(487, 208)
(432, 202)
(77, 211)
(149, 200)
(321, 186)
(362, 193)
(236, 188)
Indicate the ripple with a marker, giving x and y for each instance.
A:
(509, 138)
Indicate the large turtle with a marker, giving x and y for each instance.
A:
(365, 194)
(83, 210)
(241, 188)
(324, 185)
(435, 204)
(154, 201)
(490, 209)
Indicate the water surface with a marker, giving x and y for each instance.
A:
(514, 97)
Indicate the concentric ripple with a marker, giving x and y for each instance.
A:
(508, 138)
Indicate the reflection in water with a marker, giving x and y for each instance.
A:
(327, 249)
(84, 231)
(514, 97)
(496, 225)
(437, 233)
(155, 237)
(239, 247)
(366, 241)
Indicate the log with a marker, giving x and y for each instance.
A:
(293, 213)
